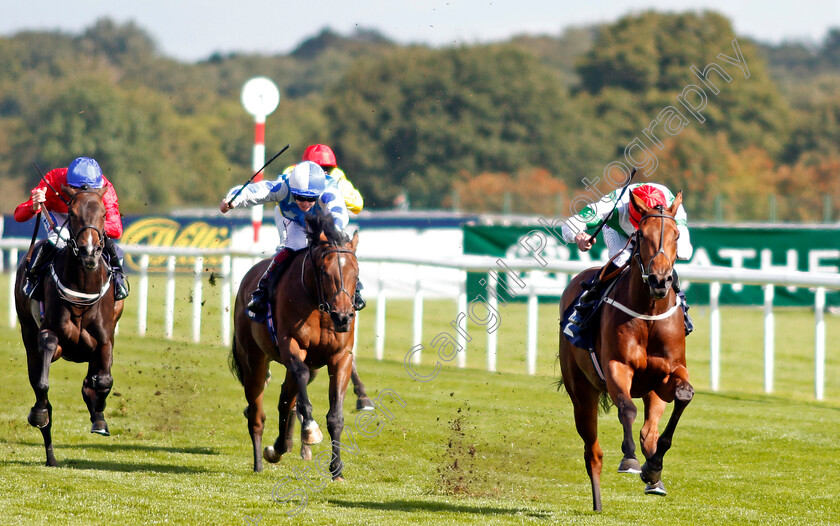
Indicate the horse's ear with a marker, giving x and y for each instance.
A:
(355, 241)
(101, 191)
(69, 190)
(640, 205)
(676, 204)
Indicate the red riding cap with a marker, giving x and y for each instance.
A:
(651, 197)
(320, 154)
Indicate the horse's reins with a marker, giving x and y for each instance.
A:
(323, 303)
(645, 272)
(75, 297)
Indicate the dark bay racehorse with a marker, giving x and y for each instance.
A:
(312, 311)
(79, 316)
(640, 348)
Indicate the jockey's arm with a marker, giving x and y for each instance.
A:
(352, 198)
(255, 194)
(334, 204)
(684, 248)
(589, 217)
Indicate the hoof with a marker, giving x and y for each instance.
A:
(39, 418)
(656, 489)
(270, 455)
(311, 434)
(100, 427)
(338, 479)
(650, 476)
(305, 452)
(629, 465)
(364, 404)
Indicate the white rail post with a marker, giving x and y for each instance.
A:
(196, 310)
(714, 332)
(417, 338)
(225, 294)
(379, 339)
(13, 256)
(3, 262)
(143, 295)
(169, 302)
(819, 343)
(533, 311)
(461, 321)
(492, 336)
(769, 338)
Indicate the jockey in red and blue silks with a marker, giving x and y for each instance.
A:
(302, 191)
(83, 172)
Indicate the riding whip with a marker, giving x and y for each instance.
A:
(604, 221)
(276, 155)
(43, 208)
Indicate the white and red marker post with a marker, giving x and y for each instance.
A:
(260, 97)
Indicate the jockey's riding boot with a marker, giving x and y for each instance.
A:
(115, 259)
(589, 299)
(31, 277)
(689, 325)
(359, 302)
(258, 307)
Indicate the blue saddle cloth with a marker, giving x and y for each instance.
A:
(583, 338)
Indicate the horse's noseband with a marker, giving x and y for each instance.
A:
(645, 270)
(74, 236)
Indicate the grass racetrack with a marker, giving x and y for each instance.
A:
(468, 447)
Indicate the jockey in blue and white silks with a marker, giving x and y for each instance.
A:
(302, 191)
(307, 180)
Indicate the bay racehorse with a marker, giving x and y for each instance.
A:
(314, 323)
(639, 353)
(79, 315)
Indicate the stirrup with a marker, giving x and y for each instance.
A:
(29, 286)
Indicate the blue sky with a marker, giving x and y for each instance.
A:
(194, 29)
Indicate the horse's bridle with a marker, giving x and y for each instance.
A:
(72, 241)
(637, 257)
(324, 305)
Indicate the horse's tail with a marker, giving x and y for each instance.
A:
(604, 401)
(234, 364)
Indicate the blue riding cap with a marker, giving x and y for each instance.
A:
(307, 179)
(84, 171)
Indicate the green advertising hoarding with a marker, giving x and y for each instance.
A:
(804, 248)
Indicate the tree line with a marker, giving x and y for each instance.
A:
(525, 125)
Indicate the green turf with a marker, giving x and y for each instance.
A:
(468, 447)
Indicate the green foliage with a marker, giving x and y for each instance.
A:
(418, 118)
(426, 122)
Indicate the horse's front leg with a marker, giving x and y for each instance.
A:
(619, 380)
(293, 357)
(340, 368)
(363, 401)
(286, 407)
(680, 391)
(38, 362)
(97, 384)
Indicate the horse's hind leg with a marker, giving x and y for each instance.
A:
(585, 399)
(682, 395)
(286, 408)
(363, 402)
(38, 359)
(254, 383)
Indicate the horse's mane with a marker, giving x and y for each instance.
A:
(323, 222)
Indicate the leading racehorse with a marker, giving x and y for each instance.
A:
(313, 322)
(639, 353)
(79, 315)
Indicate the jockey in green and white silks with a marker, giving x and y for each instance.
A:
(618, 229)
(625, 221)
